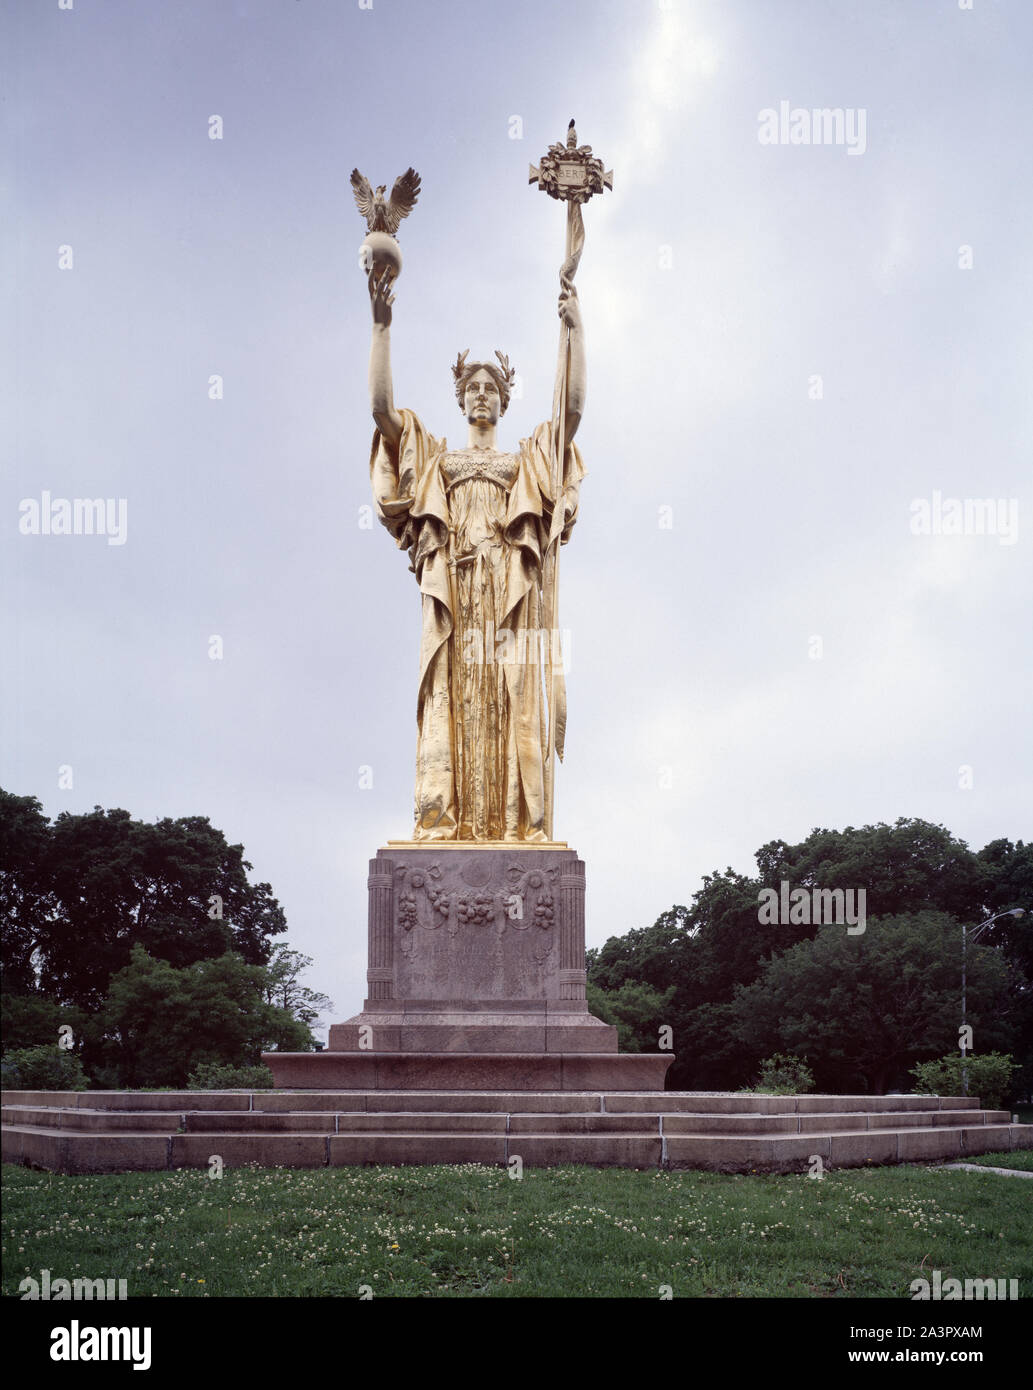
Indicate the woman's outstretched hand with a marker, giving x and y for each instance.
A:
(381, 297)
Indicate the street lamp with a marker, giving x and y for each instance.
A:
(975, 933)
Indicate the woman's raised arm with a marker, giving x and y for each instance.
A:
(381, 395)
(570, 313)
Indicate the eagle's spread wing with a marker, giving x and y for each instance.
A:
(403, 197)
(363, 195)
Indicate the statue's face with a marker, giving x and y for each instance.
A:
(483, 402)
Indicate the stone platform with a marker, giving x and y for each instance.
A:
(470, 1071)
(476, 981)
(124, 1131)
(474, 949)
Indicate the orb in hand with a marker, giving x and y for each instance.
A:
(380, 252)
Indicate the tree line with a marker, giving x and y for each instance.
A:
(861, 1008)
(143, 948)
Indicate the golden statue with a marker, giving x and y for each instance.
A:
(482, 528)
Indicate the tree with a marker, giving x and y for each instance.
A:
(33, 1020)
(42, 1069)
(81, 893)
(159, 1022)
(148, 940)
(987, 1075)
(645, 953)
(701, 953)
(906, 867)
(1009, 872)
(709, 950)
(862, 1009)
(283, 987)
(636, 1010)
(26, 899)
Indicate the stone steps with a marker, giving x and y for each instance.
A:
(83, 1152)
(563, 1102)
(118, 1131)
(337, 1122)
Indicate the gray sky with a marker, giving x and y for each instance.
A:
(721, 279)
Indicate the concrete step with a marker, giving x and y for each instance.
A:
(584, 1122)
(534, 1150)
(325, 1123)
(70, 1151)
(843, 1148)
(168, 1101)
(107, 1121)
(817, 1123)
(427, 1102)
(116, 1131)
(506, 1101)
(436, 1139)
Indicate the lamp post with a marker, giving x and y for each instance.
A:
(975, 933)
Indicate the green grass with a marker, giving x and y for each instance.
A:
(1015, 1158)
(559, 1232)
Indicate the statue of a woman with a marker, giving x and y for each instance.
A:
(476, 524)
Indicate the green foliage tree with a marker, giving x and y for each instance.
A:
(709, 950)
(637, 1010)
(33, 1020)
(26, 894)
(861, 1009)
(1009, 874)
(284, 987)
(783, 1074)
(987, 1075)
(42, 1069)
(158, 1022)
(646, 953)
(87, 889)
(148, 940)
(702, 952)
(213, 1076)
(909, 866)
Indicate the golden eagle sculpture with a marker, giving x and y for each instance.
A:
(384, 216)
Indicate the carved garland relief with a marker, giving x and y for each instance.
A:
(428, 899)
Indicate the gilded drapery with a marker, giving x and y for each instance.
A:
(476, 525)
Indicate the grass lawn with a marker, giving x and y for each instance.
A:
(560, 1232)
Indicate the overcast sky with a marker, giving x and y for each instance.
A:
(791, 348)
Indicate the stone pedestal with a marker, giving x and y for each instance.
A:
(474, 951)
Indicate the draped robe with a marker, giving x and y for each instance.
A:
(476, 525)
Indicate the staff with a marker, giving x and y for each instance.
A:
(572, 174)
